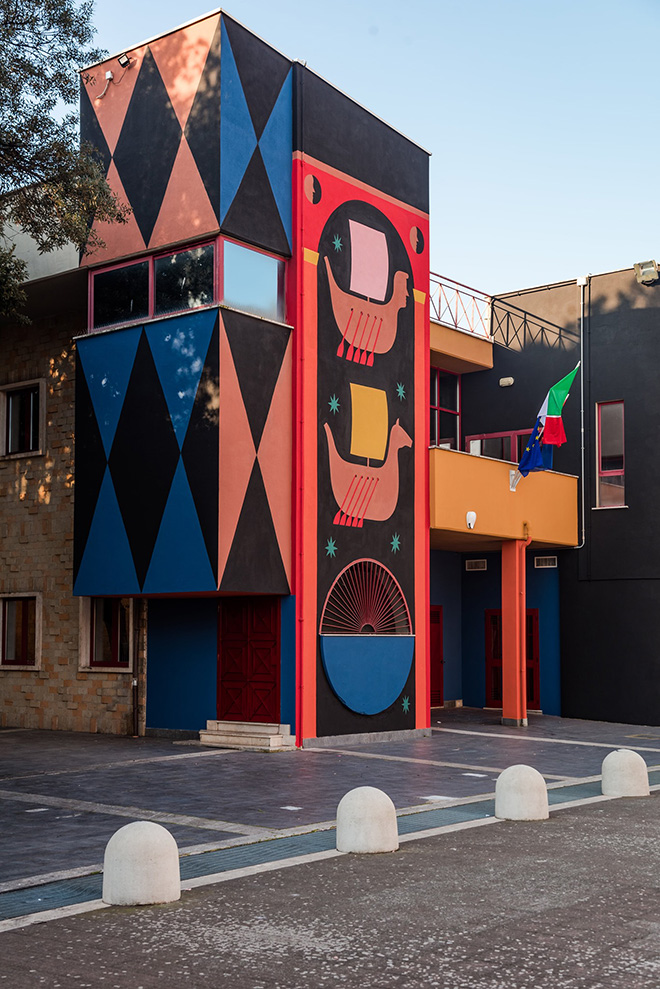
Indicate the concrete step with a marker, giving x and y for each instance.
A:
(247, 735)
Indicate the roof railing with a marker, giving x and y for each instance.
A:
(460, 306)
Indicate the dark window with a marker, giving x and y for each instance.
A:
(121, 294)
(22, 420)
(183, 280)
(253, 281)
(19, 631)
(110, 632)
(611, 470)
(444, 430)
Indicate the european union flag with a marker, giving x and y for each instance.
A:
(536, 455)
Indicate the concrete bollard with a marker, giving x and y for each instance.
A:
(521, 795)
(625, 774)
(366, 821)
(141, 865)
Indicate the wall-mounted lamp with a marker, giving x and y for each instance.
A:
(470, 518)
(124, 60)
(506, 382)
(646, 272)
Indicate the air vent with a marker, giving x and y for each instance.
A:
(545, 562)
(476, 564)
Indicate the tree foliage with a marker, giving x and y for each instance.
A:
(50, 187)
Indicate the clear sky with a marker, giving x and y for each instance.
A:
(542, 117)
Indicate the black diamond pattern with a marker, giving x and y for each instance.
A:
(200, 451)
(90, 467)
(143, 459)
(90, 129)
(258, 351)
(147, 146)
(203, 124)
(253, 214)
(262, 71)
(254, 565)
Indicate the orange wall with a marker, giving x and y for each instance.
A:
(460, 482)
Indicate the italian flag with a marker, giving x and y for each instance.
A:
(550, 411)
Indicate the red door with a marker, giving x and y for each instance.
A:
(437, 661)
(494, 659)
(249, 660)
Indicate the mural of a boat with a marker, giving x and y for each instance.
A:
(364, 491)
(368, 325)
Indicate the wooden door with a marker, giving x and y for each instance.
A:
(249, 659)
(494, 658)
(437, 657)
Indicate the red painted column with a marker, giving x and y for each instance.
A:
(514, 610)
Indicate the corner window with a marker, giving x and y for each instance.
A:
(19, 631)
(110, 622)
(221, 271)
(253, 281)
(21, 417)
(610, 491)
(183, 280)
(445, 416)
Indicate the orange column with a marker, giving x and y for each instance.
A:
(514, 610)
(422, 512)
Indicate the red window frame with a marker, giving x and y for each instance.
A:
(436, 409)
(599, 458)
(512, 434)
(29, 441)
(218, 278)
(114, 660)
(28, 631)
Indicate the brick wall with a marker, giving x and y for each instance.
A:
(36, 534)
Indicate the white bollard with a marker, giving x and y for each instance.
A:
(141, 865)
(625, 774)
(521, 795)
(366, 821)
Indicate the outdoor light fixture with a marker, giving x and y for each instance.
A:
(470, 518)
(124, 60)
(506, 382)
(646, 272)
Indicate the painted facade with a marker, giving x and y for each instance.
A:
(261, 533)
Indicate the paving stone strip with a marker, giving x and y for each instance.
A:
(33, 900)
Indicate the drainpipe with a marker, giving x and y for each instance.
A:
(582, 281)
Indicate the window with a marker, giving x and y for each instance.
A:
(21, 418)
(220, 271)
(20, 631)
(445, 408)
(253, 281)
(507, 446)
(109, 629)
(611, 472)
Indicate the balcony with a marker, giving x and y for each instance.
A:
(543, 506)
(460, 326)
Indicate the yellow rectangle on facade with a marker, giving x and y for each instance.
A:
(369, 422)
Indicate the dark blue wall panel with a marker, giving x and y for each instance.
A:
(446, 591)
(288, 662)
(182, 663)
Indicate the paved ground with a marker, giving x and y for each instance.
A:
(572, 902)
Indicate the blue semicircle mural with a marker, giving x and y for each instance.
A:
(367, 672)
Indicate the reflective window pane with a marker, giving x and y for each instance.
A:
(19, 628)
(611, 491)
(183, 280)
(253, 282)
(448, 430)
(611, 436)
(110, 632)
(497, 447)
(121, 295)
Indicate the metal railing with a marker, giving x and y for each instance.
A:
(459, 306)
(516, 329)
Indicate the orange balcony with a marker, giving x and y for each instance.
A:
(543, 506)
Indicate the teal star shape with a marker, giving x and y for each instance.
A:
(330, 548)
(405, 704)
(334, 404)
(396, 542)
(400, 391)
(336, 242)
